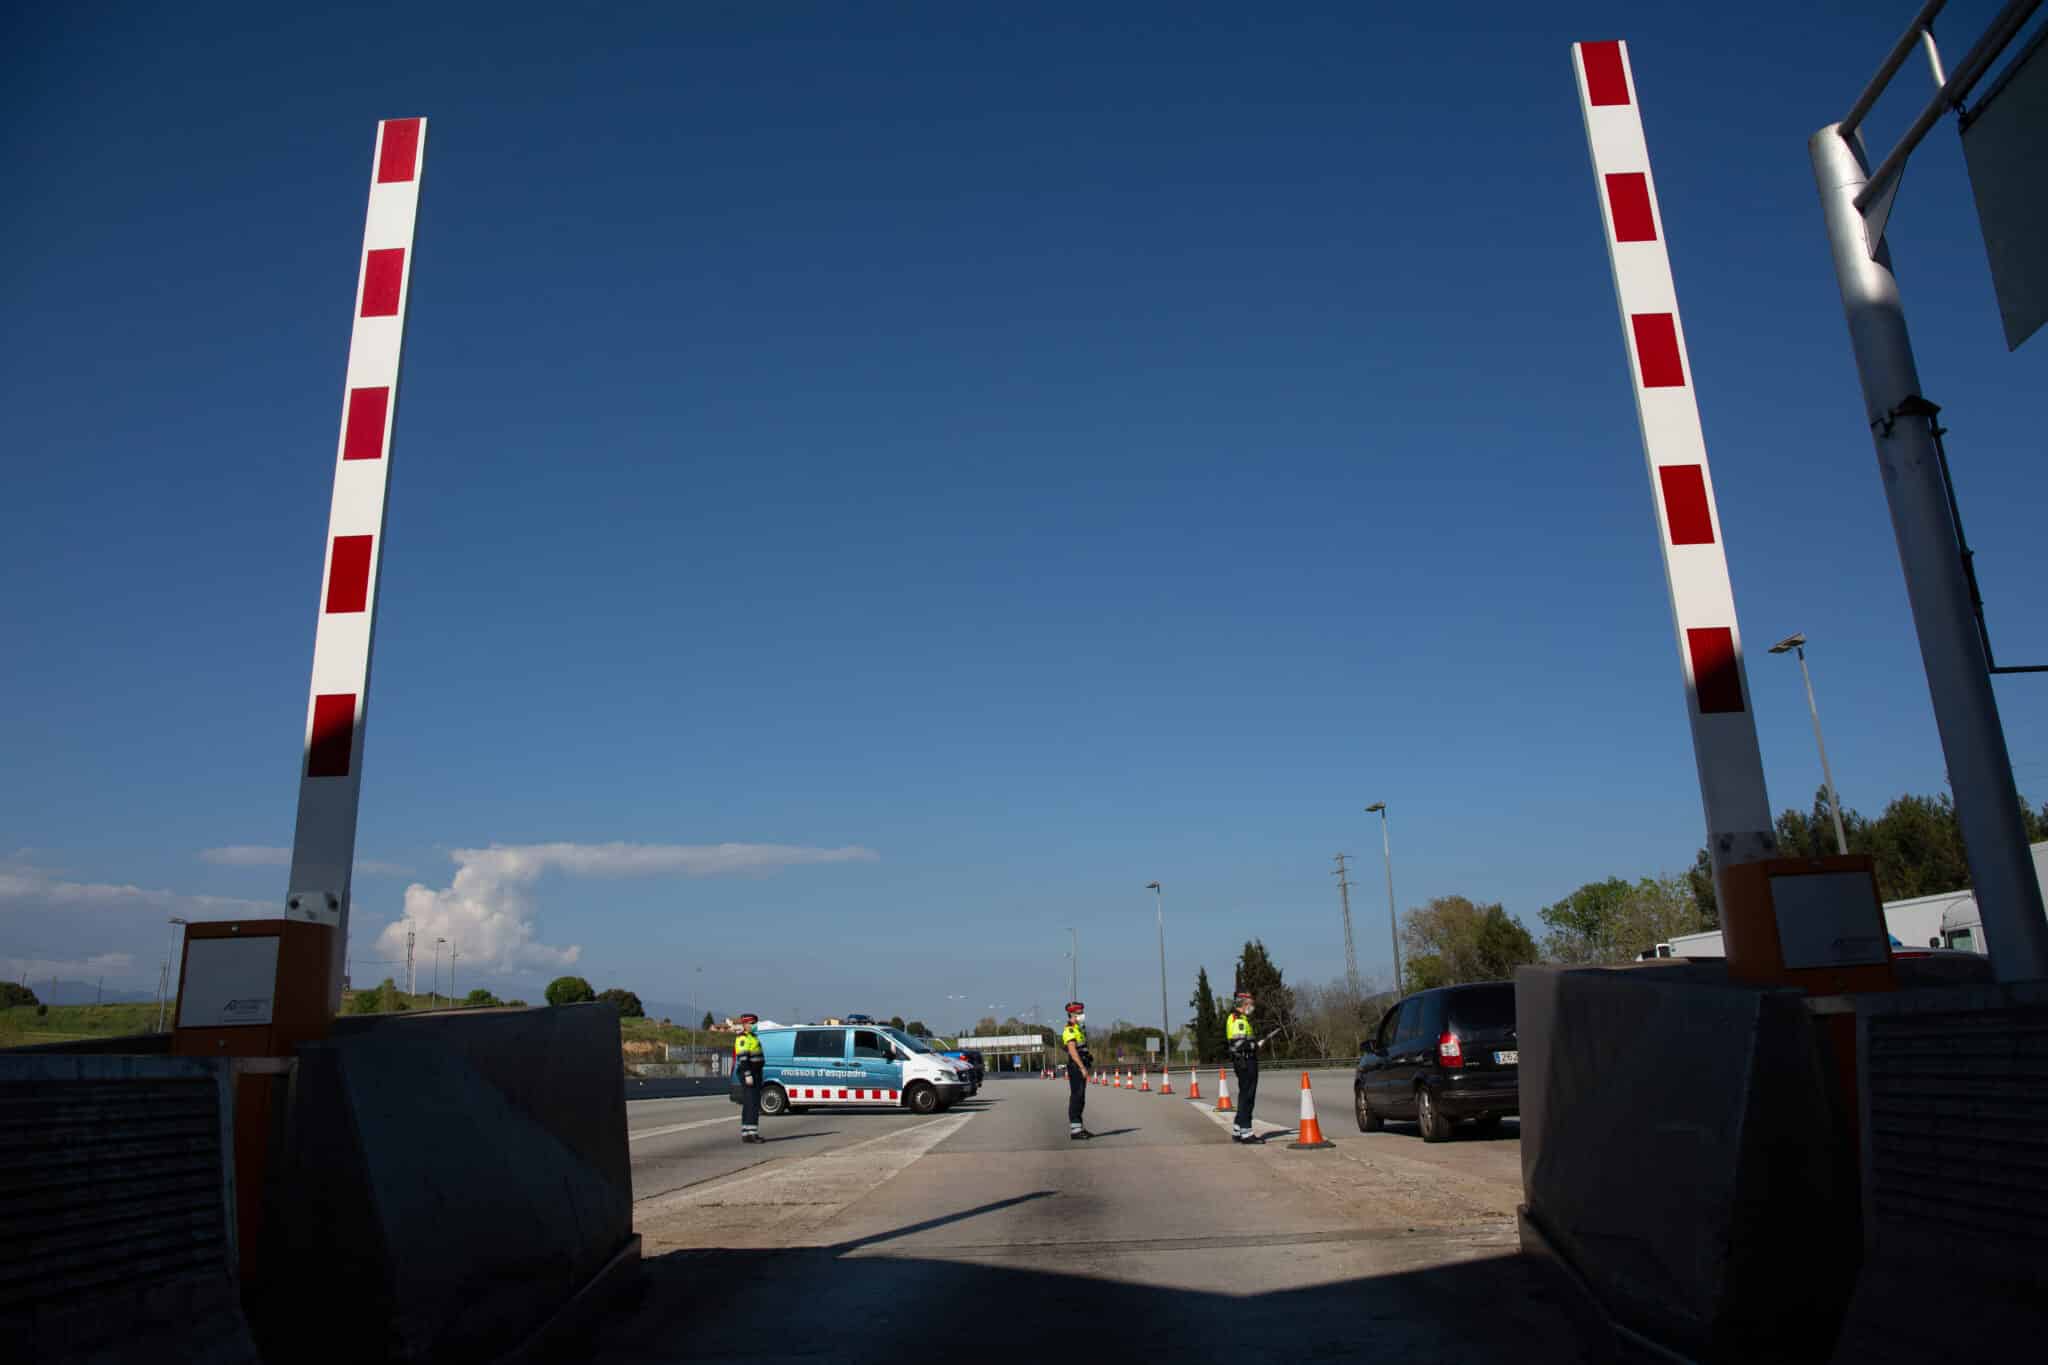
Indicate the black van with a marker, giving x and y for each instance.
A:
(1441, 1056)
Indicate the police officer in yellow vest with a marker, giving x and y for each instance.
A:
(1244, 1059)
(1074, 1038)
(746, 1066)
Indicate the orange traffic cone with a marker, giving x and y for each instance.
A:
(1223, 1105)
(1145, 1080)
(1124, 1081)
(1166, 1082)
(1311, 1134)
(1194, 1085)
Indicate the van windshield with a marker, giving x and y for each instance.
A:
(907, 1040)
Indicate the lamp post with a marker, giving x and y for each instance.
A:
(435, 998)
(1074, 967)
(1393, 921)
(1797, 644)
(163, 996)
(1159, 909)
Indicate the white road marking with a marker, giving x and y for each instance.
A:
(1228, 1119)
(668, 1128)
(834, 1177)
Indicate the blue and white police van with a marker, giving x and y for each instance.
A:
(842, 1066)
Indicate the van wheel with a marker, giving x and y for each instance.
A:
(1368, 1121)
(1435, 1127)
(921, 1098)
(774, 1100)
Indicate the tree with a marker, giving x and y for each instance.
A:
(708, 1022)
(985, 1027)
(390, 1000)
(1614, 921)
(569, 990)
(480, 998)
(1699, 879)
(1273, 1002)
(1208, 1024)
(916, 1029)
(1336, 1019)
(624, 1001)
(515, 1004)
(14, 993)
(896, 1021)
(1451, 940)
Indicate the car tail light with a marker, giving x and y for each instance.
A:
(1449, 1052)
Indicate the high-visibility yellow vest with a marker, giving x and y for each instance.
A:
(1238, 1027)
(746, 1045)
(1075, 1034)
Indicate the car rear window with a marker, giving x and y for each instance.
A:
(1483, 1007)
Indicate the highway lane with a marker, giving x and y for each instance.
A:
(675, 1144)
(988, 1231)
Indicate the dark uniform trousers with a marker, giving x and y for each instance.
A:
(1077, 1092)
(750, 1069)
(1246, 1063)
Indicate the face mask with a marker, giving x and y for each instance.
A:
(1080, 1019)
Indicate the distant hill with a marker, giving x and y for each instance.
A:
(85, 993)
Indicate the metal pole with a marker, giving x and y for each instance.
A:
(1827, 774)
(1165, 1033)
(1074, 967)
(1951, 651)
(1393, 919)
(434, 999)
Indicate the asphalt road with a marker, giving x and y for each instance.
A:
(871, 1235)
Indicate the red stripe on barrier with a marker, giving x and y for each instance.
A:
(334, 735)
(398, 159)
(1606, 81)
(362, 429)
(1657, 350)
(1628, 199)
(1716, 679)
(842, 1094)
(348, 574)
(383, 271)
(1685, 504)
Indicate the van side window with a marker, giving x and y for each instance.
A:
(868, 1043)
(820, 1042)
(1409, 1025)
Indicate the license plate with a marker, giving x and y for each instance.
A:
(1507, 1059)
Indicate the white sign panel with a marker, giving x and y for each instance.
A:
(1006, 1040)
(1829, 920)
(228, 982)
(1152, 1044)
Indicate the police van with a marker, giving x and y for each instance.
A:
(834, 1066)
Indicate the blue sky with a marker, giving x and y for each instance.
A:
(995, 459)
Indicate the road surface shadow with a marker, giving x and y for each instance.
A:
(800, 1137)
(828, 1304)
(1118, 1132)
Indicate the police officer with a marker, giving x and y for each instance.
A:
(747, 1066)
(1244, 1059)
(1074, 1037)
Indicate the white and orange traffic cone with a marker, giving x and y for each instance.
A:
(1223, 1105)
(1194, 1084)
(1145, 1080)
(1125, 1081)
(1311, 1134)
(1166, 1082)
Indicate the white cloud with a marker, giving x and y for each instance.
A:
(29, 885)
(267, 855)
(247, 855)
(489, 913)
(43, 968)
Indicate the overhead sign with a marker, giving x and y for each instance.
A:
(2005, 143)
(1006, 1040)
(1152, 1044)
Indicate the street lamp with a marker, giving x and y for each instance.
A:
(1797, 644)
(163, 995)
(1074, 967)
(1159, 910)
(435, 998)
(1393, 921)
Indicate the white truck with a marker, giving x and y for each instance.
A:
(1948, 919)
